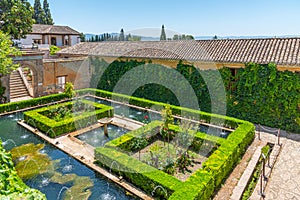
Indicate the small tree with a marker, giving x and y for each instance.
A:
(82, 37)
(168, 119)
(69, 90)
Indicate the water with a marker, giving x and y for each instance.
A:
(141, 115)
(132, 113)
(14, 135)
(97, 138)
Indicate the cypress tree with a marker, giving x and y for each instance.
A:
(48, 16)
(163, 33)
(39, 15)
(122, 37)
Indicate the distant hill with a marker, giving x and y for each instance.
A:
(143, 38)
(242, 37)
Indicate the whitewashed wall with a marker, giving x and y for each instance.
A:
(74, 39)
(29, 39)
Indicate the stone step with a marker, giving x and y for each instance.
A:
(19, 94)
(17, 85)
(18, 91)
(16, 81)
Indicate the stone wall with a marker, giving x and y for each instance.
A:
(76, 71)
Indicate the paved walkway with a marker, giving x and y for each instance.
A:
(284, 182)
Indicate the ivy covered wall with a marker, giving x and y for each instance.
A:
(257, 93)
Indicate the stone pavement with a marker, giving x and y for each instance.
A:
(284, 182)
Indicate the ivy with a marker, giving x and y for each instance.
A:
(257, 93)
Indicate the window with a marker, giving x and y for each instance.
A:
(37, 41)
(61, 82)
(53, 41)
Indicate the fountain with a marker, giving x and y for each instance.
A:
(88, 124)
(68, 167)
(25, 136)
(31, 120)
(111, 166)
(45, 181)
(47, 133)
(62, 189)
(163, 189)
(9, 140)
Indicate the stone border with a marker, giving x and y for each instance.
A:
(244, 180)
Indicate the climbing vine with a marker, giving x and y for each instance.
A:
(257, 93)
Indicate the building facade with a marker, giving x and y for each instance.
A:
(43, 36)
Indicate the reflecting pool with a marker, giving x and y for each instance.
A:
(14, 135)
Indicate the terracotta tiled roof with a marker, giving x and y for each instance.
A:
(53, 29)
(284, 51)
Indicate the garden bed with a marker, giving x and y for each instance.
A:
(67, 117)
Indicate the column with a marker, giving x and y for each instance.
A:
(69, 40)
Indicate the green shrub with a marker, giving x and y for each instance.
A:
(11, 185)
(54, 49)
(8, 107)
(38, 118)
(137, 172)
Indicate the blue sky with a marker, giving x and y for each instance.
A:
(196, 17)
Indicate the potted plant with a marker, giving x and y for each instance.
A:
(29, 77)
(26, 70)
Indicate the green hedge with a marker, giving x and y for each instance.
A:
(8, 107)
(203, 183)
(54, 128)
(217, 167)
(215, 119)
(11, 185)
(138, 173)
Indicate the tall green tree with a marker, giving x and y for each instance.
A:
(82, 37)
(16, 18)
(122, 36)
(163, 33)
(48, 16)
(39, 14)
(6, 63)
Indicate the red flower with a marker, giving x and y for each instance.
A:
(146, 117)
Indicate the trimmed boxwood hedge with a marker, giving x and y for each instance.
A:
(215, 119)
(43, 123)
(138, 173)
(9, 107)
(202, 183)
(118, 150)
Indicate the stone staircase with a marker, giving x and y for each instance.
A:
(18, 89)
